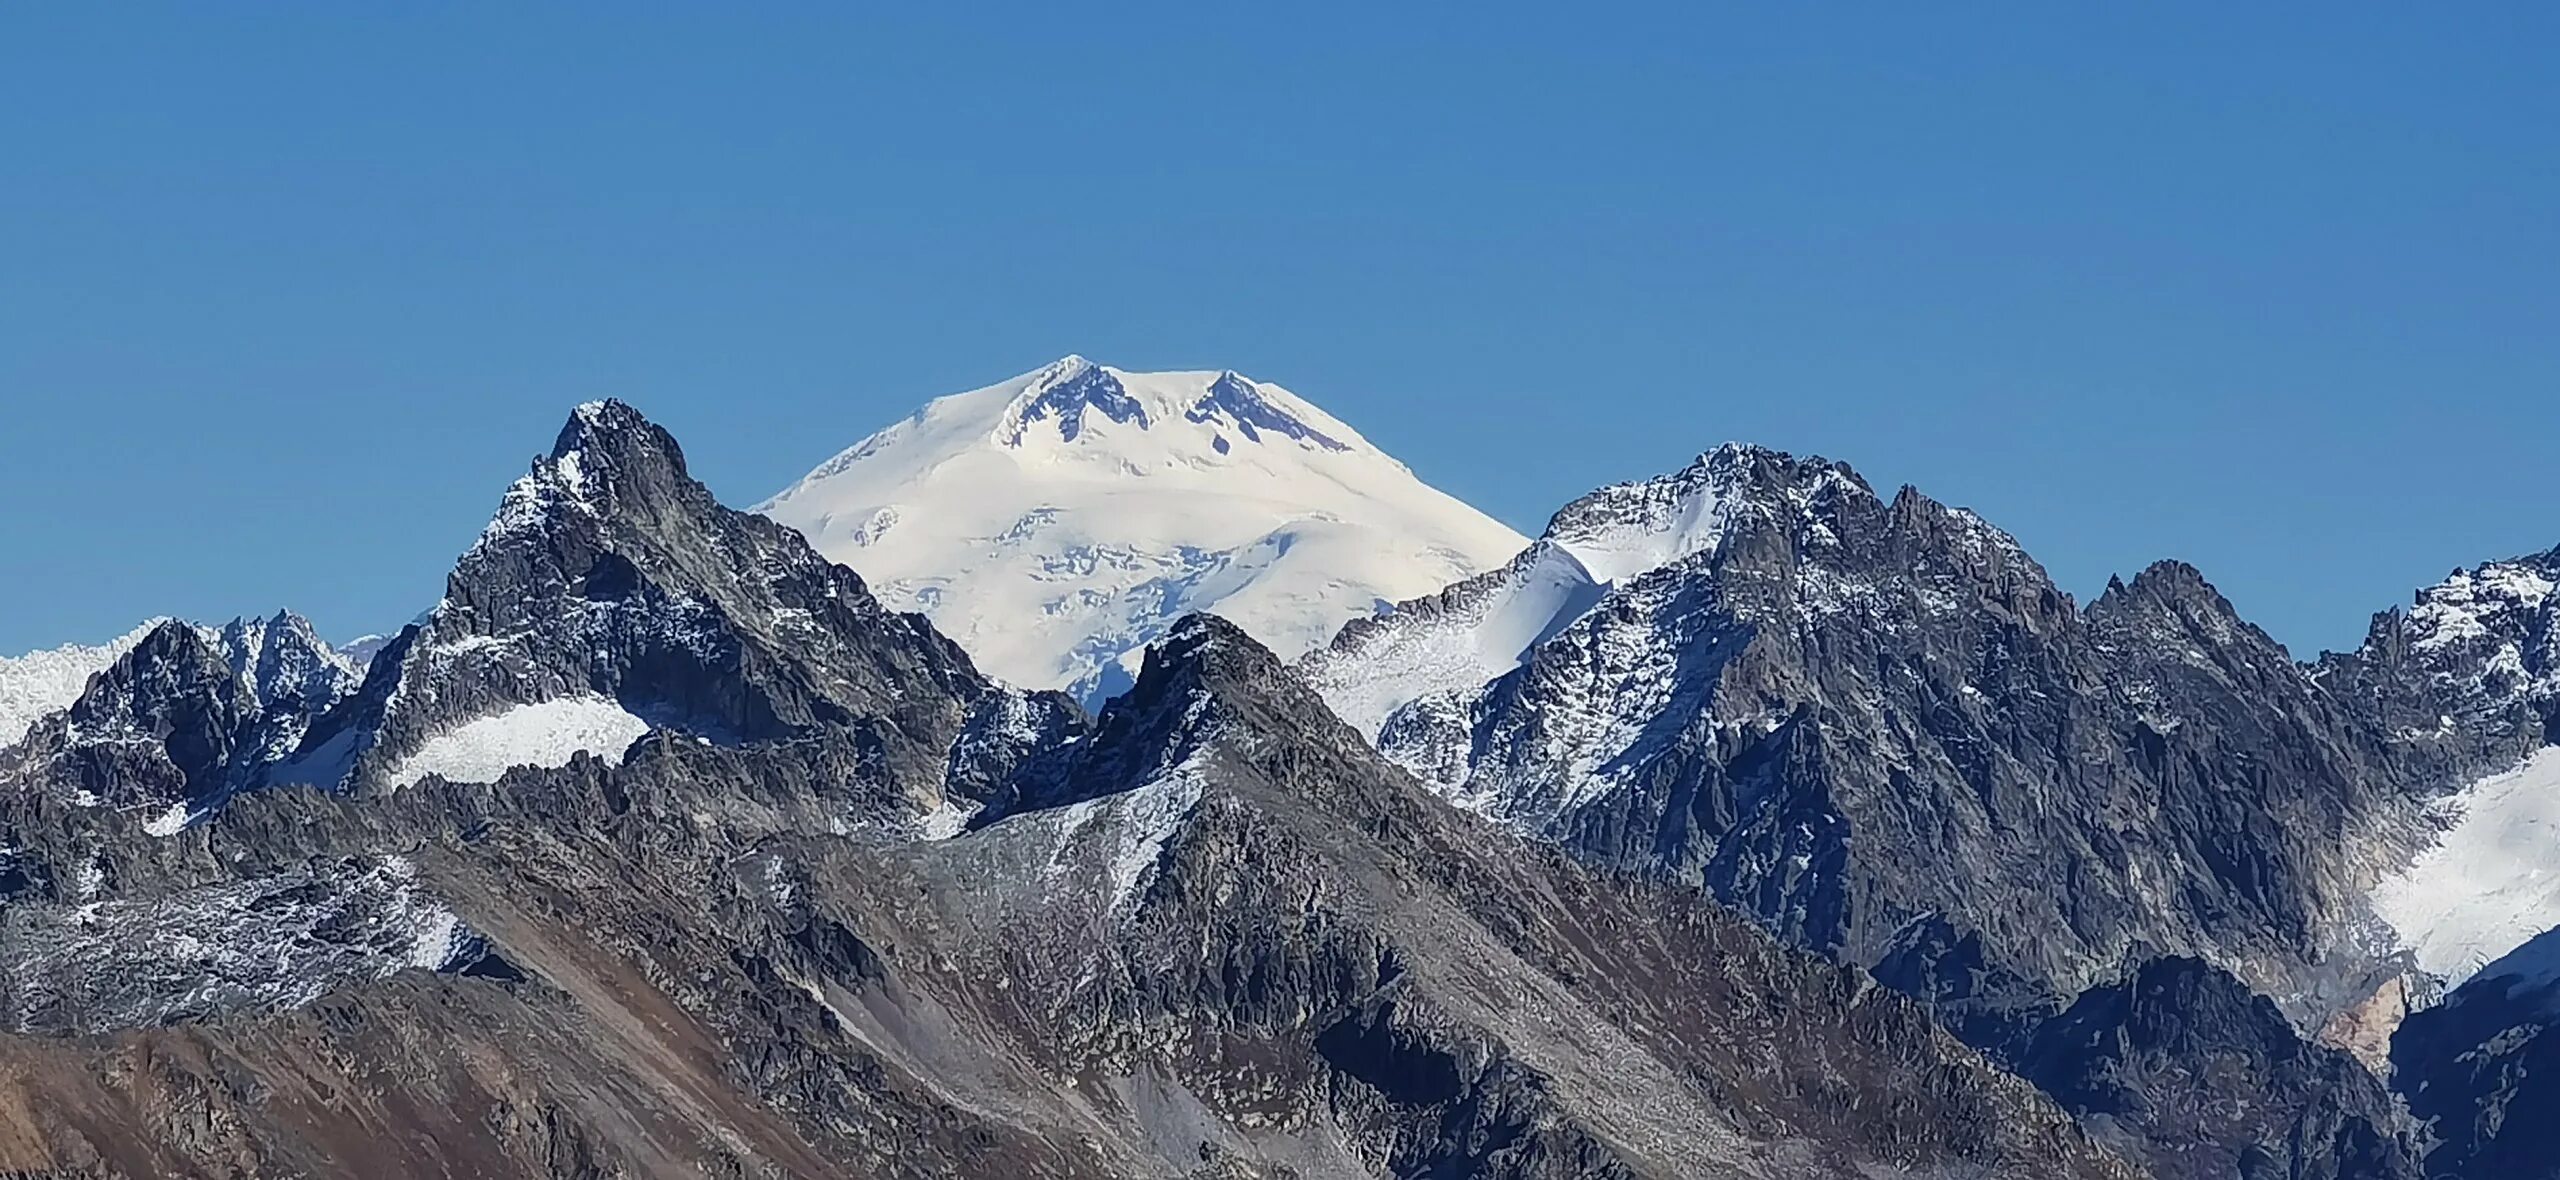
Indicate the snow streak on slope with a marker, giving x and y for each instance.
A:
(42, 682)
(2492, 883)
(1055, 523)
(1476, 631)
(1466, 635)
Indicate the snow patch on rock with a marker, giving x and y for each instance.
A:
(548, 734)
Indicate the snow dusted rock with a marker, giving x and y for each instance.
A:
(2468, 677)
(261, 944)
(611, 593)
(1477, 630)
(1878, 726)
(281, 660)
(1210, 935)
(1056, 523)
(41, 682)
(182, 719)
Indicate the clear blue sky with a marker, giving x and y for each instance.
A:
(288, 293)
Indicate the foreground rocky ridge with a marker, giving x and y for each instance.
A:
(847, 907)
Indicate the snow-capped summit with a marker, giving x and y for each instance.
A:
(1056, 523)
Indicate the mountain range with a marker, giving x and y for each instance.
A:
(1139, 774)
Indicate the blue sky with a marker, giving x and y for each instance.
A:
(289, 293)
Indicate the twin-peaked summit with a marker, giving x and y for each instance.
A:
(1055, 523)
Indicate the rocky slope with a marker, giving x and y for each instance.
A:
(1880, 728)
(845, 907)
(2481, 1068)
(1056, 523)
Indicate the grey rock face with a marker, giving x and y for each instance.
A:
(610, 573)
(2181, 1063)
(1211, 934)
(1846, 715)
(183, 720)
(1881, 729)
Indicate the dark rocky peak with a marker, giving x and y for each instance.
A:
(1883, 732)
(187, 718)
(1204, 681)
(169, 724)
(2171, 608)
(174, 677)
(1961, 540)
(1624, 529)
(1064, 392)
(1237, 403)
(613, 594)
(615, 460)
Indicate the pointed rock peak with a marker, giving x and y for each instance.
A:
(608, 460)
(1742, 463)
(1626, 529)
(605, 439)
(176, 662)
(282, 658)
(1236, 402)
(1063, 392)
(2172, 578)
(1201, 636)
(2181, 590)
(171, 639)
(1201, 661)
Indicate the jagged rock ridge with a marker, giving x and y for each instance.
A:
(845, 907)
(1879, 727)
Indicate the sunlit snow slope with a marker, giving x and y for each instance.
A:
(2492, 883)
(1055, 523)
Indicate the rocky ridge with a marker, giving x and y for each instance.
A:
(1878, 726)
(845, 906)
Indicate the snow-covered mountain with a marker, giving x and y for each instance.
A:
(1055, 523)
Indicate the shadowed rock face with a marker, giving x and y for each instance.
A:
(2482, 1069)
(181, 721)
(2183, 1063)
(1208, 934)
(610, 574)
(1878, 727)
